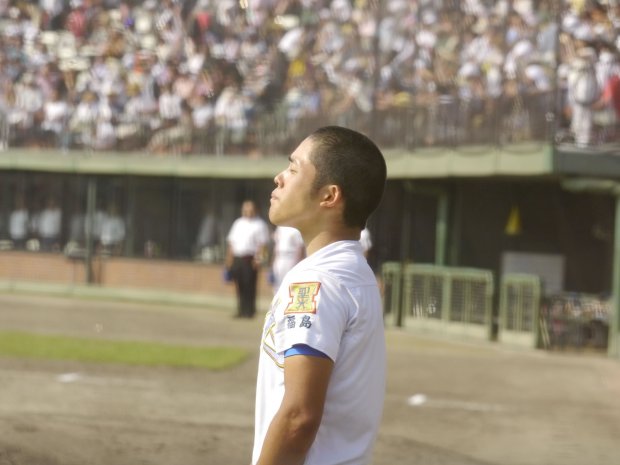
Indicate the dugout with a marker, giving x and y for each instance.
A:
(437, 212)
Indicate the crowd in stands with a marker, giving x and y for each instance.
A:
(239, 76)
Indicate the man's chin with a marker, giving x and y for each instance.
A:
(277, 220)
(273, 217)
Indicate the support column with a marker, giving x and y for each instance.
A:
(91, 199)
(613, 347)
(441, 228)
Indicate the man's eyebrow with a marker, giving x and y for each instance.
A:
(291, 159)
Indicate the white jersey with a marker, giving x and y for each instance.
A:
(365, 240)
(288, 250)
(329, 301)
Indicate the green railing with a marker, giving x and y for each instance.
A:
(446, 300)
(519, 309)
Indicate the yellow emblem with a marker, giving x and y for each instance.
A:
(303, 298)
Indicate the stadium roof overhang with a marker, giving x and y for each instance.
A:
(530, 160)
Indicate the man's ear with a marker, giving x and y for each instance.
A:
(331, 195)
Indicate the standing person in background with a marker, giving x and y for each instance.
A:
(47, 225)
(288, 250)
(246, 251)
(112, 231)
(321, 373)
(19, 223)
(583, 92)
(207, 240)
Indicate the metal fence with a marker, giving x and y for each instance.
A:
(440, 123)
(441, 299)
(519, 309)
(459, 302)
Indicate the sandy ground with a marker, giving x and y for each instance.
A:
(448, 403)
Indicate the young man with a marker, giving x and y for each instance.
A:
(321, 375)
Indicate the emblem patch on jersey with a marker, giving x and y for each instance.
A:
(303, 298)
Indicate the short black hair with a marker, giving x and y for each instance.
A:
(352, 161)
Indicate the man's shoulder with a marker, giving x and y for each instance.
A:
(345, 270)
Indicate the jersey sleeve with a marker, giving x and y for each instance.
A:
(315, 312)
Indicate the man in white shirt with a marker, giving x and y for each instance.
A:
(321, 374)
(48, 225)
(111, 231)
(245, 253)
(19, 223)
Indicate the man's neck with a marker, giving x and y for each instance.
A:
(325, 238)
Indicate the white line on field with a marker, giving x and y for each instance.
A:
(422, 400)
(101, 380)
(68, 377)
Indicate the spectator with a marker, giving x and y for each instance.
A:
(19, 223)
(25, 109)
(112, 231)
(185, 83)
(230, 113)
(176, 138)
(202, 112)
(107, 113)
(583, 92)
(56, 113)
(170, 106)
(52, 12)
(47, 226)
(84, 120)
(134, 120)
(607, 107)
(302, 54)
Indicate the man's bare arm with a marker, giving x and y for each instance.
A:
(294, 427)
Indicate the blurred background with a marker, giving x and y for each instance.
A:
(131, 131)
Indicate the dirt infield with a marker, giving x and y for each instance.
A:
(448, 403)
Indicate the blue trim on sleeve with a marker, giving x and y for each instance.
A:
(303, 349)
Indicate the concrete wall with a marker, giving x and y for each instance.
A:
(119, 272)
